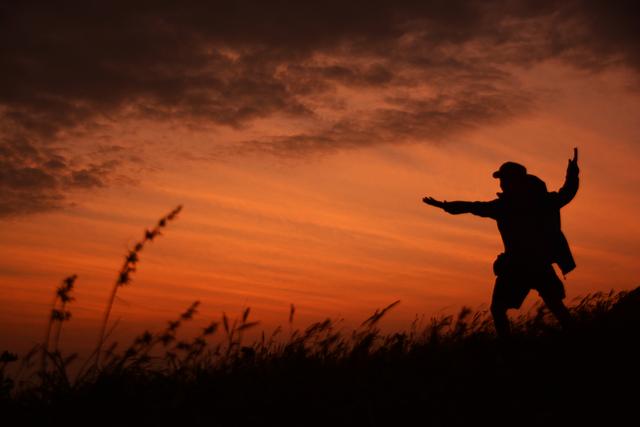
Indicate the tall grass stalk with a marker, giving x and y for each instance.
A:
(127, 269)
(59, 315)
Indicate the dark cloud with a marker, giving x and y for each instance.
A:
(36, 179)
(70, 65)
(403, 120)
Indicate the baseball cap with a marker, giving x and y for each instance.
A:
(510, 169)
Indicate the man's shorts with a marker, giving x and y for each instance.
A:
(513, 285)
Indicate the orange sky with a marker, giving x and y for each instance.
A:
(337, 229)
(337, 235)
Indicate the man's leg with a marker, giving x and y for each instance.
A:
(507, 293)
(552, 293)
(500, 319)
(559, 310)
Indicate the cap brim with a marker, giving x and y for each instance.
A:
(496, 174)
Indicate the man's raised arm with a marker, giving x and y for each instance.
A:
(571, 182)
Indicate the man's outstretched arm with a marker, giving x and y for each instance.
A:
(484, 209)
(571, 182)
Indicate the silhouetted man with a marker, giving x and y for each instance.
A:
(528, 218)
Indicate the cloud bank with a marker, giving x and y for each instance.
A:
(361, 73)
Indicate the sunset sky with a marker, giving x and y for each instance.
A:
(300, 139)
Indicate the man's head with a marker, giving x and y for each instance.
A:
(511, 175)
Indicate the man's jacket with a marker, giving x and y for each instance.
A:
(529, 221)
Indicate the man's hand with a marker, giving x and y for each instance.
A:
(433, 202)
(572, 167)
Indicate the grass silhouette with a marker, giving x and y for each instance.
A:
(451, 371)
(127, 270)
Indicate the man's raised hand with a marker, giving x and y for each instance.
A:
(572, 167)
(433, 202)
